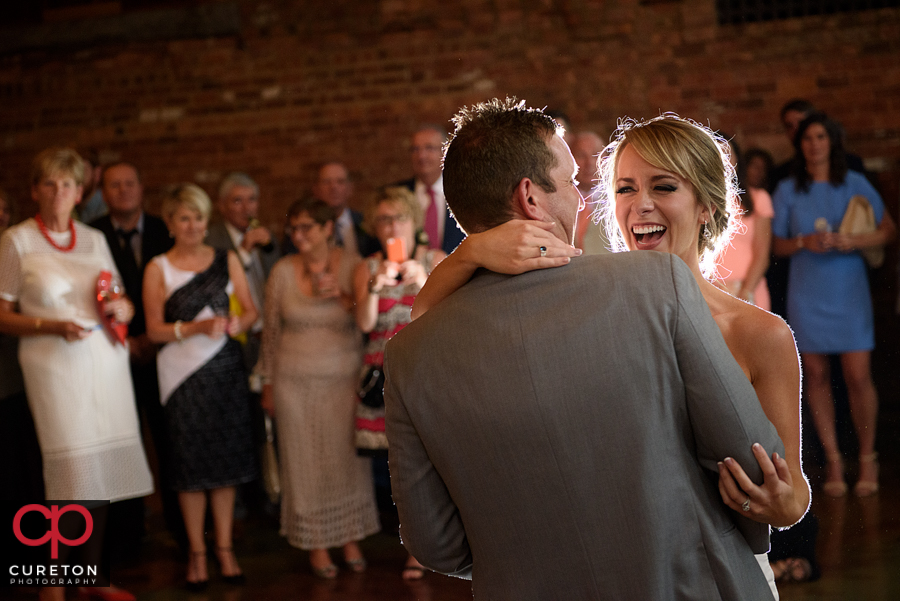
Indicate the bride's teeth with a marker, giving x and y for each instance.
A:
(647, 229)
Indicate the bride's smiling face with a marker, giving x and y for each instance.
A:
(656, 209)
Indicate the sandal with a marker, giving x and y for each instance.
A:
(194, 559)
(358, 564)
(835, 488)
(867, 488)
(328, 572)
(236, 578)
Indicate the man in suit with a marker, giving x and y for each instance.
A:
(238, 229)
(426, 150)
(555, 435)
(134, 237)
(334, 187)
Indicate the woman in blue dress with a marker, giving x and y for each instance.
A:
(829, 305)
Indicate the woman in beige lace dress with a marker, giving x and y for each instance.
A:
(311, 357)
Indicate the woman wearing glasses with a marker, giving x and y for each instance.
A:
(311, 356)
(386, 284)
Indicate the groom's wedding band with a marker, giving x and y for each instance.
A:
(746, 505)
(543, 250)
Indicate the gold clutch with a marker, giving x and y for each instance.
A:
(859, 218)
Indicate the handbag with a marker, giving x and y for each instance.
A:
(859, 218)
(371, 387)
(269, 465)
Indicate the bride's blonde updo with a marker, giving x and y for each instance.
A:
(691, 151)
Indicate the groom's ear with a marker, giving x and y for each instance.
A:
(525, 203)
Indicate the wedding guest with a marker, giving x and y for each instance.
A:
(427, 184)
(134, 237)
(237, 229)
(311, 359)
(202, 380)
(757, 168)
(76, 374)
(829, 305)
(743, 263)
(385, 286)
(334, 186)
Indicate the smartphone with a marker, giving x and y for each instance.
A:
(396, 250)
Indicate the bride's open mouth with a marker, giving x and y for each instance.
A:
(648, 234)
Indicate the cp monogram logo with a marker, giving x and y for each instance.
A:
(53, 534)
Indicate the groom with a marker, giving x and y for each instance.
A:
(554, 435)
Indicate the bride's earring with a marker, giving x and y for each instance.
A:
(707, 233)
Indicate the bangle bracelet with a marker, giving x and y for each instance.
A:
(37, 324)
(178, 335)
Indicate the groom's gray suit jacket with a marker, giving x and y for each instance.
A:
(555, 436)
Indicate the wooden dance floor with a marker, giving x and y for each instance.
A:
(858, 545)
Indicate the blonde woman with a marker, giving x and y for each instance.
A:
(669, 187)
(385, 286)
(202, 381)
(77, 379)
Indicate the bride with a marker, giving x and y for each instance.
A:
(669, 187)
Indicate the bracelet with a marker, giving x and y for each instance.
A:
(37, 324)
(178, 335)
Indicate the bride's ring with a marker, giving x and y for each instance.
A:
(746, 505)
(543, 250)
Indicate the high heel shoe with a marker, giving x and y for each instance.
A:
(328, 571)
(237, 578)
(358, 564)
(196, 586)
(835, 488)
(867, 488)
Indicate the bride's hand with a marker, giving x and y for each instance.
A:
(773, 502)
(515, 247)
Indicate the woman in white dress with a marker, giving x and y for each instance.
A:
(77, 379)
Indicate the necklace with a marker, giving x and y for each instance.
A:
(46, 234)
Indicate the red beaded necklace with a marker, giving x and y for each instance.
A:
(43, 228)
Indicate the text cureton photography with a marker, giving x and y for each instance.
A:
(53, 543)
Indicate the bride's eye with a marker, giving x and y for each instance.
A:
(624, 189)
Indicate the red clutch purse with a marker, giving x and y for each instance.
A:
(108, 289)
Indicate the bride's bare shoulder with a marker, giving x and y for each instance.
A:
(766, 334)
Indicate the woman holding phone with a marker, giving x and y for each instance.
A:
(385, 286)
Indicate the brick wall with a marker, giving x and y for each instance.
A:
(305, 82)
